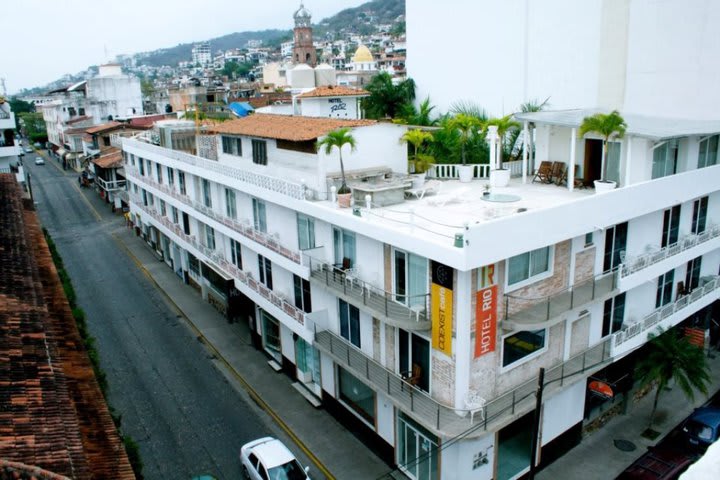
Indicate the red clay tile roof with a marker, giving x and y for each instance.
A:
(52, 412)
(285, 127)
(110, 160)
(103, 127)
(75, 131)
(335, 91)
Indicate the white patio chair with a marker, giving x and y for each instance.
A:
(431, 186)
(475, 403)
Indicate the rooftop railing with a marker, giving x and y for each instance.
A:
(447, 171)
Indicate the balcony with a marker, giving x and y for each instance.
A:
(244, 228)
(652, 263)
(377, 302)
(216, 260)
(110, 185)
(523, 313)
(635, 334)
(446, 420)
(10, 151)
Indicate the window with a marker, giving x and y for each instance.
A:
(349, 322)
(158, 169)
(305, 146)
(186, 223)
(259, 152)
(665, 159)
(145, 197)
(708, 151)
(236, 253)
(344, 244)
(141, 166)
(81, 111)
(132, 159)
(306, 232)
(692, 277)
(194, 264)
(356, 395)
(523, 267)
(613, 314)
(520, 345)
(230, 203)
(181, 183)
(671, 226)
(410, 278)
(271, 335)
(615, 244)
(589, 239)
(151, 199)
(174, 212)
(171, 176)
(106, 141)
(209, 237)
(232, 145)
(699, 218)
(265, 268)
(259, 217)
(162, 208)
(302, 294)
(663, 295)
(206, 192)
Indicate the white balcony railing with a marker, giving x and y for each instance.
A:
(447, 171)
(265, 239)
(216, 259)
(649, 323)
(633, 264)
(110, 185)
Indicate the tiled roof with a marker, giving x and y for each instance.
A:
(334, 91)
(112, 159)
(286, 127)
(52, 412)
(75, 131)
(78, 119)
(103, 127)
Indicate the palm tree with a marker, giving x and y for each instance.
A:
(530, 106)
(338, 138)
(467, 127)
(417, 138)
(608, 125)
(420, 116)
(670, 357)
(469, 108)
(387, 99)
(504, 125)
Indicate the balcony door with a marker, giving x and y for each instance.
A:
(615, 245)
(307, 359)
(410, 274)
(414, 359)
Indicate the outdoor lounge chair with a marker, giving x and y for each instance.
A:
(556, 172)
(544, 173)
(431, 186)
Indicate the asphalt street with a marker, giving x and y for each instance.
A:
(183, 412)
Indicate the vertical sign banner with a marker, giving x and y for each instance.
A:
(441, 307)
(485, 320)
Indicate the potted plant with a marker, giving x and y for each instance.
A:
(339, 138)
(419, 163)
(486, 190)
(608, 126)
(504, 125)
(467, 127)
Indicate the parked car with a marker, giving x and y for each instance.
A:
(39, 161)
(28, 150)
(702, 428)
(269, 459)
(658, 464)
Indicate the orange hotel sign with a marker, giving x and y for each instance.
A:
(485, 320)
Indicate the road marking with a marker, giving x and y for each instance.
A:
(248, 388)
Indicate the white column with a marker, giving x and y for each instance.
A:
(492, 137)
(526, 146)
(628, 156)
(571, 167)
(462, 346)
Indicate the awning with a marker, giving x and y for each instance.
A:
(240, 109)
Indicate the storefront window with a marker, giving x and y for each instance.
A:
(356, 395)
(520, 345)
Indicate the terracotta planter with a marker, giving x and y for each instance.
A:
(344, 199)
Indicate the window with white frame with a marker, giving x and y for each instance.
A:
(209, 237)
(665, 159)
(171, 176)
(344, 246)
(671, 226)
(524, 267)
(236, 253)
(410, 278)
(175, 217)
(158, 170)
(349, 322)
(265, 271)
(232, 145)
(522, 344)
(230, 203)
(613, 314)
(699, 218)
(259, 152)
(163, 212)
(206, 192)
(663, 295)
(708, 151)
(259, 217)
(181, 183)
(692, 275)
(306, 232)
(301, 288)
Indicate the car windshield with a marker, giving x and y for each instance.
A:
(289, 471)
(696, 429)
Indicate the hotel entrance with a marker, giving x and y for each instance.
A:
(417, 450)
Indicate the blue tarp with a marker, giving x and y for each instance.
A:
(240, 109)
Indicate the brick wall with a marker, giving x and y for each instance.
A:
(584, 264)
(389, 347)
(580, 335)
(443, 378)
(376, 339)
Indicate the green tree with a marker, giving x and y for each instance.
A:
(467, 128)
(471, 109)
(420, 116)
(20, 106)
(387, 99)
(417, 138)
(504, 125)
(671, 357)
(33, 125)
(533, 105)
(608, 126)
(147, 88)
(338, 139)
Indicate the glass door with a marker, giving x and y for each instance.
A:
(307, 359)
(271, 336)
(417, 450)
(615, 244)
(414, 361)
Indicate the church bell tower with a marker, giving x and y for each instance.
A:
(303, 49)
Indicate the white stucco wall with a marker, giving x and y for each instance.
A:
(562, 411)
(457, 458)
(331, 107)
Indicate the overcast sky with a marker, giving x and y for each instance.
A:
(45, 39)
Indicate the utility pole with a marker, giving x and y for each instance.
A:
(536, 423)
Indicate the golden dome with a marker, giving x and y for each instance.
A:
(362, 54)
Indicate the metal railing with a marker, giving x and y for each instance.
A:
(530, 310)
(217, 260)
(633, 264)
(410, 312)
(447, 420)
(446, 171)
(271, 241)
(294, 190)
(649, 322)
(110, 185)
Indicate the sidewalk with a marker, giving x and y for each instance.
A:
(596, 457)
